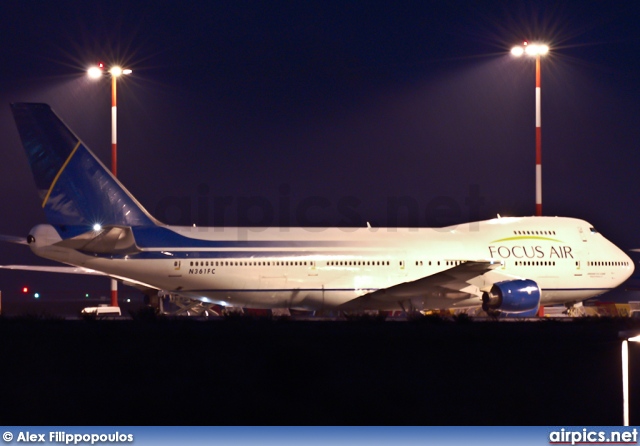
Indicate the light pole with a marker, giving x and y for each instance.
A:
(625, 373)
(115, 72)
(535, 50)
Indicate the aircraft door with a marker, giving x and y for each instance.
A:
(583, 235)
(174, 268)
(582, 249)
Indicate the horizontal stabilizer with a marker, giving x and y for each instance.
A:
(108, 240)
(80, 270)
(13, 239)
(55, 269)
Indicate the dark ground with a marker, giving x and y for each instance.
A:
(246, 371)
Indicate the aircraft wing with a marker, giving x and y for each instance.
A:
(459, 286)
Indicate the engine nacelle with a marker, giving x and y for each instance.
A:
(512, 296)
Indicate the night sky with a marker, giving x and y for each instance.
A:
(327, 112)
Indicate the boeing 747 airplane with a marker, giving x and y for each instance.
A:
(509, 264)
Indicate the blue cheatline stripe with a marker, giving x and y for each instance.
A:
(245, 255)
(160, 237)
(270, 290)
(577, 289)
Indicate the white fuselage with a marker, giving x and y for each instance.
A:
(322, 268)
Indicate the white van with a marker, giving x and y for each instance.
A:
(102, 310)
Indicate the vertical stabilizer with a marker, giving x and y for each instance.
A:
(76, 190)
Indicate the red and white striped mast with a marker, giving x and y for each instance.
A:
(536, 50)
(115, 72)
(114, 127)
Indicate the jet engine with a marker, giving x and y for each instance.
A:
(512, 296)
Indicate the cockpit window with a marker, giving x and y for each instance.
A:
(593, 230)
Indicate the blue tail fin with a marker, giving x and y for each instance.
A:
(76, 189)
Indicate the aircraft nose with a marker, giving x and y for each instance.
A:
(632, 266)
(628, 265)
